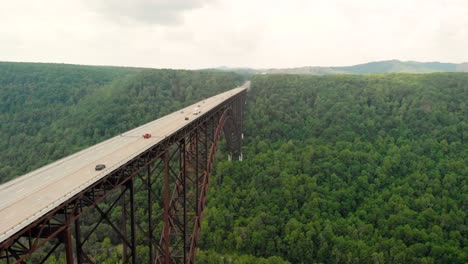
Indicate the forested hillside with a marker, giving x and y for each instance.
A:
(346, 169)
(337, 169)
(48, 111)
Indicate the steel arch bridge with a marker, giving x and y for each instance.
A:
(167, 161)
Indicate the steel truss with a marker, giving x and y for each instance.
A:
(174, 175)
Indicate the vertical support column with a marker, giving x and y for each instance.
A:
(206, 148)
(68, 244)
(242, 103)
(7, 256)
(197, 176)
(240, 121)
(183, 175)
(124, 226)
(132, 219)
(79, 253)
(166, 208)
(150, 214)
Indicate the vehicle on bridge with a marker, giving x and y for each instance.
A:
(196, 111)
(100, 167)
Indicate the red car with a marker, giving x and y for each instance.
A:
(146, 135)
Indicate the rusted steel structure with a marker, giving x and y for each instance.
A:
(174, 175)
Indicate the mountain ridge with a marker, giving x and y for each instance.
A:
(386, 66)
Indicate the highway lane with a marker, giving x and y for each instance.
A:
(30, 196)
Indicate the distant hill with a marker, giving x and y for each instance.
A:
(390, 66)
(399, 66)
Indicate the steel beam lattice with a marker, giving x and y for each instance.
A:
(173, 178)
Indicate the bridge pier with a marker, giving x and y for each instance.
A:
(150, 212)
(68, 245)
(79, 254)
(166, 227)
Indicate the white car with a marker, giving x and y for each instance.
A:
(196, 111)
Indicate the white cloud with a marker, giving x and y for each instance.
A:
(163, 12)
(207, 33)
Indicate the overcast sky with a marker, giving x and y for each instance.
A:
(237, 33)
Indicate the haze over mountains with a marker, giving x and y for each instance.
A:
(389, 66)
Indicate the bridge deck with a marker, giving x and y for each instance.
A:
(27, 198)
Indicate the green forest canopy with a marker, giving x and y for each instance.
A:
(337, 169)
(347, 169)
(48, 111)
